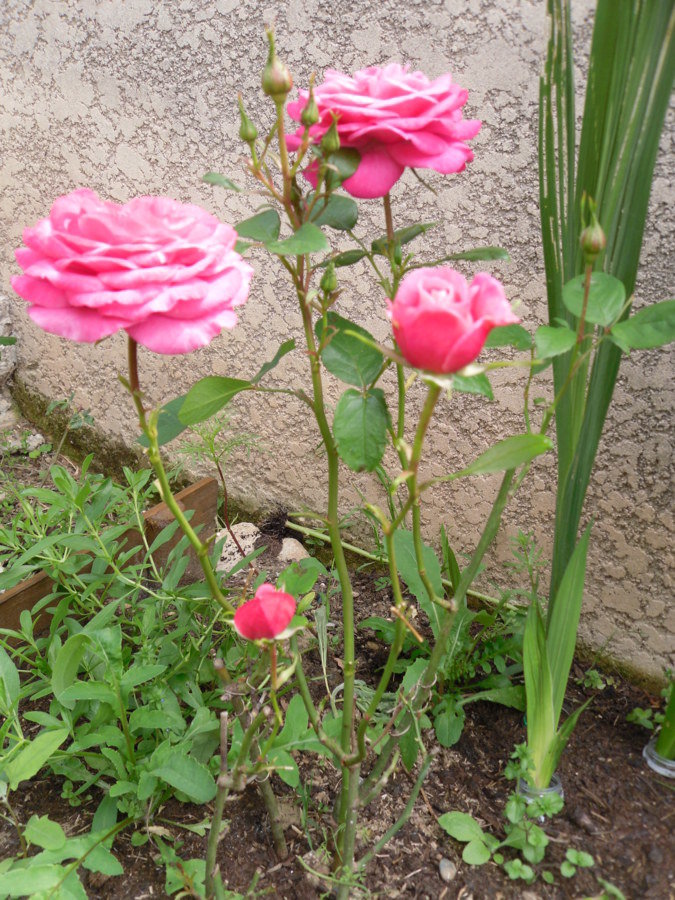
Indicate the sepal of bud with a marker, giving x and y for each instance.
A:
(247, 130)
(329, 281)
(330, 142)
(592, 240)
(276, 78)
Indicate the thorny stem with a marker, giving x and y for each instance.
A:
(149, 428)
(222, 792)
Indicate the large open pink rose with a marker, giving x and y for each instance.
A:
(440, 322)
(394, 118)
(165, 272)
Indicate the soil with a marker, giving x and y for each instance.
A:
(616, 809)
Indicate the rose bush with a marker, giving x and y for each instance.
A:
(266, 615)
(165, 272)
(440, 322)
(394, 118)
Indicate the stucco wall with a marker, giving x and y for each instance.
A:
(137, 96)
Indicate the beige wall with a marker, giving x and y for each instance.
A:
(137, 96)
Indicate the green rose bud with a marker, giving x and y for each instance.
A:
(310, 114)
(329, 281)
(592, 240)
(330, 142)
(247, 130)
(276, 78)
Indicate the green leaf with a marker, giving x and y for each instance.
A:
(307, 239)
(9, 684)
(448, 725)
(188, 776)
(100, 859)
(32, 757)
(6, 341)
(348, 258)
(208, 396)
(563, 622)
(345, 356)
(401, 236)
(360, 428)
(478, 254)
(42, 831)
(541, 721)
(67, 662)
(476, 853)
(261, 228)
(606, 298)
(285, 348)
(341, 165)
(87, 690)
(550, 341)
(650, 327)
(509, 336)
(579, 858)
(509, 454)
(220, 181)
(473, 384)
(169, 426)
(340, 212)
(406, 563)
(30, 881)
(567, 870)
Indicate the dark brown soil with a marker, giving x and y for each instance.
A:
(616, 809)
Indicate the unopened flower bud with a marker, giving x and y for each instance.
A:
(592, 240)
(398, 255)
(329, 282)
(330, 142)
(247, 130)
(310, 114)
(276, 78)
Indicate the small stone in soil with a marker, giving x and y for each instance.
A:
(292, 551)
(447, 870)
(581, 818)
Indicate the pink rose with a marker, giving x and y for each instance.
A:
(440, 322)
(266, 615)
(394, 118)
(165, 272)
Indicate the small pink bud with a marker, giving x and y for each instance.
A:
(266, 615)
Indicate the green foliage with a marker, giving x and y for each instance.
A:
(360, 427)
(344, 355)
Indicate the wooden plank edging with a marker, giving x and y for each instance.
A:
(202, 497)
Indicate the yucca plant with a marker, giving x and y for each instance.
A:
(631, 69)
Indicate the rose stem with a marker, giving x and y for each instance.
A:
(150, 431)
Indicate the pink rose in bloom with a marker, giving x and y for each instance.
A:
(440, 322)
(266, 615)
(394, 118)
(165, 272)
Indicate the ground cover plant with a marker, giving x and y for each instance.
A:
(156, 690)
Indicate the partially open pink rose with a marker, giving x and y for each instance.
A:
(394, 118)
(165, 272)
(266, 615)
(440, 322)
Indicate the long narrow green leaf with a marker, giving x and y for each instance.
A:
(541, 730)
(563, 623)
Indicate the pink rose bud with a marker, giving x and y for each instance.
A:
(394, 118)
(266, 615)
(165, 272)
(440, 322)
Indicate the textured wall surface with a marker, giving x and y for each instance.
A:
(137, 97)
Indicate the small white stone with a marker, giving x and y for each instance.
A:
(292, 551)
(26, 444)
(447, 870)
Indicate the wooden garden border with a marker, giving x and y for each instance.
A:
(202, 497)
